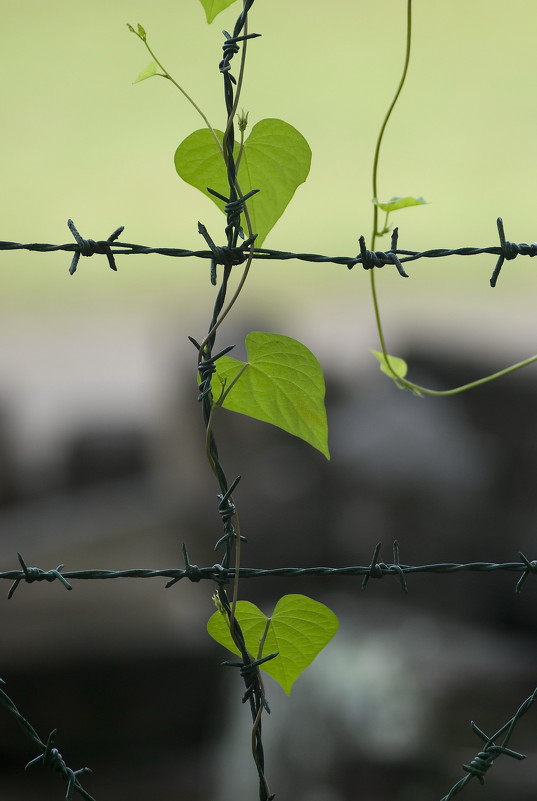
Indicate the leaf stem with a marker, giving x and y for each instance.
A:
(376, 158)
(225, 312)
(167, 75)
(237, 185)
(239, 84)
(388, 115)
(247, 217)
(263, 638)
(464, 387)
(228, 389)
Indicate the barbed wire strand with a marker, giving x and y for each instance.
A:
(484, 760)
(49, 756)
(223, 575)
(236, 253)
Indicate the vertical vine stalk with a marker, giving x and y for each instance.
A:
(417, 389)
(376, 158)
(223, 314)
(232, 537)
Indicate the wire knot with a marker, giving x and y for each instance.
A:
(52, 758)
(230, 49)
(531, 569)
(509, 250)
(206, 368)
(87, 247)
(192, 572)
(249, 672)
(378, 570)
(227, 511)
(226, 507)
(480, 764)
(36, 574)
(485, 758)
(228, 256)
(378, 258)
(220, 574)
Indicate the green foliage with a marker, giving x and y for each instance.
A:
(398, 366)
(149, 72)
(275, 159)
(396, 369)
(214, 7)
(399, 203)
(281, 383)
(298, 629)
(140, 31)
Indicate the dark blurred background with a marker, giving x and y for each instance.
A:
(102, 445)
(125, 670)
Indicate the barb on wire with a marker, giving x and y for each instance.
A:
(379, 258)
(531, 568)
(379, 569)
(249, 670)
(30, 574)
(49, 756)
(484, 760)
(87, 247)
(509, 251)
(192, 572)
(229, 255)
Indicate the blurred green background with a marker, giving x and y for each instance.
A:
(80, 140)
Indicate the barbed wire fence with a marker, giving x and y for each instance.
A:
(235, 255)
(220, 574)
(223, 573)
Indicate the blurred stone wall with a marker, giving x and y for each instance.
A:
(125, 670)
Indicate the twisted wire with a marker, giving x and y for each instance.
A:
(223, 575)
(229, 256)
(49, 757)
(235, 253)
(484, 760)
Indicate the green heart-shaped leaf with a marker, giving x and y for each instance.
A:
(298, 630)
(276, 160)
(214, 7)
(281, 383)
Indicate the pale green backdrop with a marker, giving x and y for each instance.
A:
(80, 140)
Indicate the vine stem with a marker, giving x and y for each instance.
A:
(223, 315)
(221, 148)
(472, 385)
(410, 385)
(227, 309)
(387, 117)
(167, 75)
(203, 347)
(376, 158)
(247, 217)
